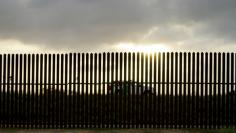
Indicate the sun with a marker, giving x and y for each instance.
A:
(146, 48)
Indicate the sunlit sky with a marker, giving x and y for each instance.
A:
(56, 26)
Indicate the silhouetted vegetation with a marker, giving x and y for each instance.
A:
(59, 108)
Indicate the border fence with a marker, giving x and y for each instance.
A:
(118, 90)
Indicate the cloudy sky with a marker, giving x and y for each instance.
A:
(117, 25)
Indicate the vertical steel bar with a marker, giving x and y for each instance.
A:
(167, 96)
(74, 105)
(129, 106)
(9, 102)
(232, 114)
(28, 98)
(58, 98)
(234, 94)
(100, 120)
(103, 90)
(163, 94)
(99, 90)
(4, 91)
(5, 88)
(163, 110)
(206, 116)
(176, 99)
(171, 112)
(198, 102)
(13, 93)
(91, 93)
(193, 99)
(215, 111)
(20, 94)
(227, 90)
(120, 92)
(16, 90)
(82, 89)
(138, 92)
(54, 101)
(202, 92)
(49, 89)
(33, 111)
(62, 114)
(45, 92)
(180, 92)
(189, 102)
(78, 98)
(112, 98)
(24, 93)
(70, 102)
(8, 111)
(125, 92)
(185, 93)
(116, 108)
(142, 80)
(40, 92)
(210, 91)
(159, 91)
(146, 102)
(66, 110)
(219, 115)
(133, 94)
(86, 96)
(223, 91)
(108, 113)
(150, 113)
(155, 107)
(96, 122)
(28, 116)
(1, 95)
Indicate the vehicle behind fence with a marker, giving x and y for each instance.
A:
(118, 90)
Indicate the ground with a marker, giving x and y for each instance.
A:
(119, 131)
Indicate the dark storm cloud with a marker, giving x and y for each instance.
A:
(86, 24)
(217, 16)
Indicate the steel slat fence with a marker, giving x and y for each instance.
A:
(118, 90)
